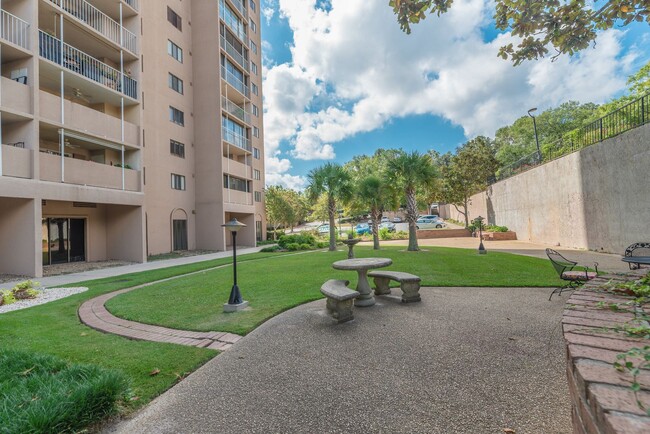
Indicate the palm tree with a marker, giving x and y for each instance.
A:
(411, 171)
(334, 181)
(377, 195)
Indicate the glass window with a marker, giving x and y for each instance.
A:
(252, 3)
(238, 184)
(253, 47)
(256, 132)
(257, 175)
(254, 68)
(175, 83)
(174, 18)
(176, 116)
(256, 111)
(254, 87)
(177, 148)
(175, 51)
(232, 20)
(258, 196)
(234, 133)
(178, 182)
(253, 26)
(256, 153)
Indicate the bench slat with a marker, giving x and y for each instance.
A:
(338, 290)
(395, 275)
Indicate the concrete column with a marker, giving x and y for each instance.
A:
(125, 233)
(20, 237)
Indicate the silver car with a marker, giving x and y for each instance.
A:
(430, 222)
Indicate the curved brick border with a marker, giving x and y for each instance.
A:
(601, 399)
(94, 315)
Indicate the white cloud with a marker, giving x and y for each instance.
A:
(353, 70)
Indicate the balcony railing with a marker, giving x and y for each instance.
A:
(237, 140)
(132, 3)
(239, 57)
(14, 30)
(235, 82)
(235, 110)
(240, 7)
(233, 23)
(83, 64)
(98, 20)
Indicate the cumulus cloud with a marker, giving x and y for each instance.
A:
(353, 70)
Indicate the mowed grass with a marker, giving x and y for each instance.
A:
(54, 328)
(275, 285)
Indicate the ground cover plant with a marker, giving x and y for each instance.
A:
(42, 393)
(272, 286)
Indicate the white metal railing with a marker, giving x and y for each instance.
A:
(132, 3)
(98, 20)
(237, 140)
(14, 29)
(235, 110)
(81, 63)
(234, 81)
(239, 57)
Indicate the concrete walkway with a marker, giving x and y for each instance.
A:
(464, 360)
(67, 279)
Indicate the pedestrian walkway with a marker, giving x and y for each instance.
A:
(67, 279)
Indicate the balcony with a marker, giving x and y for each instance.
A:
(237, 140)
(14, 30)
(87, 120)
(15, 96)
(85, 65)
(240, 7)
(235, 110)
(100, 22)
(132, 3)
(237, 169)
(237, 197)
(235, 82)
(233, 22)
(16, 161)
(236, 55)
(87, 173)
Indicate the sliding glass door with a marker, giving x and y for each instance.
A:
(64, 240)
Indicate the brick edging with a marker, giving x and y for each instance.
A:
(601, 399)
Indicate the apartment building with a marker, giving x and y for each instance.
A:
(121, 133)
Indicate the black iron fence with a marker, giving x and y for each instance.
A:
(631, 115)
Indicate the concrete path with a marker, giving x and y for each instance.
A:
(464, 360)
(66, 279)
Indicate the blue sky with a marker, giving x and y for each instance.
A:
(341, 79)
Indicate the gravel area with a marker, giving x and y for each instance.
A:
(4, 278)
(46, 295)
(464, 360)
(79, 267)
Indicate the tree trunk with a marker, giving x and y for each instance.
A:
(466, 213)
(331, 211)
(411, 218)
(376, 216)
(463, 213)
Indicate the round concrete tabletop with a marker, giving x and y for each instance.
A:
(362, 263)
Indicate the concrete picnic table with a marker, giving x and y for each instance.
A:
(361, 266)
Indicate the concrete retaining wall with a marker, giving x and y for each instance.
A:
(596, 199)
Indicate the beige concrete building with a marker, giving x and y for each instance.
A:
(128, 128)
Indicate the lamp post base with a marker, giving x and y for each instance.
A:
(235, 307)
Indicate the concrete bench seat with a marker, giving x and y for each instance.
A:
(409, 283)
(339, 299)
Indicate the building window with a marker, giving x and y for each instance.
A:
(254, 88)
(254, 47)
(233, 183)
(174, 18)
(258, 196)
(232, 20)
(175, 83)
(256, 153)
(178, 182)
(256, 111)
(258, 230)
(254, 68)
(175, 51)
(177, 148)
(252, 3)
(257, 175)
(253, 26)
(256, 132)
(176, 116)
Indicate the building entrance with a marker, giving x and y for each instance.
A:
(64, 240)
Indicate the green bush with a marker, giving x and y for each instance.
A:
(384, 234)
(495, 228)
(306, 247)
(43, 394)
(7, 297)
(271, 249)
(285, 240)
(322, 244)
(292, 247)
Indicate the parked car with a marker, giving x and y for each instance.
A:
(397, 220)
(385, 220)
(430, 222)
(388, 225)
(429, 216)
(362, 228)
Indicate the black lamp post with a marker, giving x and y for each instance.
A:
(235, 302)
(481, 248)
(539, 153)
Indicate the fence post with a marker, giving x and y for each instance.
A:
(642, 110)
(601, 129)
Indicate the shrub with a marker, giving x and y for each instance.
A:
(285, 240)
(305, 247)
(41, 393)
(271, 249)
(384, 234)
(7, 297)
(292, 247)
(322, 244)
(495, 228)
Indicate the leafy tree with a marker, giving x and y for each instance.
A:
(333, 181)
(568, 26)
(411, 171)
(278, 208)
(467, 172)
(376, 194)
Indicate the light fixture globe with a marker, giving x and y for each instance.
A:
(233, 225)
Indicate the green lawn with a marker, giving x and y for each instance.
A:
(273, 286)
(54, 328)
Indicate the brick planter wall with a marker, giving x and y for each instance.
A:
(500, 236)
(601, 399)
(443, 233)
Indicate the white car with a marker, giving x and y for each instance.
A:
(385, 220)
(397, 220)
(430, 222)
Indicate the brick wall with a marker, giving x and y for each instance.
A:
(601, 398)
(443, 233)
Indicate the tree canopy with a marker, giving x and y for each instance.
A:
(567, 26)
